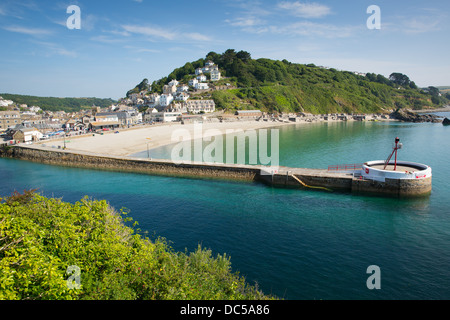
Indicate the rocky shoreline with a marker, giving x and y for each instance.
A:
(407, 115)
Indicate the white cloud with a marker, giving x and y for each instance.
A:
(141, 50)
(150, 31)
(421, 25)
(164, 33)
(245, 22)
(306, 28)
(428, 20)
(28, 31)
(106, 39)
(196, 36)
(251, 7)
(53, 48)
(305, 10)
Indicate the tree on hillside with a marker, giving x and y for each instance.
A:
(400, 79)
(228, 56)
(214, 57)
(142, 86)
(433, 91)
(244, 56)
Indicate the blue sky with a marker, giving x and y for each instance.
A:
(121, 42)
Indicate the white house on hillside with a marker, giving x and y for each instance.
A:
(165, 100)
(193, 82)
(202, 86)
(183, 88)
(198, 106)
(215, 74)
(183, 96)
(167, 89)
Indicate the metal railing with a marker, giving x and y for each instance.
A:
(345, 167)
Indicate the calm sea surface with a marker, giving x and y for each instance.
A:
(296, 244)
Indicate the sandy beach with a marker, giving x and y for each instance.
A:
(131, 141)
(138, 139)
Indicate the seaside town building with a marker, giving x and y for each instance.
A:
(162, 116)
(5, 103)
(215, 74)
(198, 71)
(202, 86)
(193, 82)
(201, 78)
(25, 135)
(9, 119)
(165, 100)
(200, 106)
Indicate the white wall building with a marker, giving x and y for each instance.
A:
(165, 116)
(198, 106)
(165, 100)
(215, 74)
(201, 86)
(183, 96)
(183, 88)
(193, 82)
(28, 135)
(173, 83)
(5, 103)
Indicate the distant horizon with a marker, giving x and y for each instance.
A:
(103, 49)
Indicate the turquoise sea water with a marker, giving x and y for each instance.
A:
(296, 244)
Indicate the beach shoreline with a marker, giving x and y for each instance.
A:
(136, 140)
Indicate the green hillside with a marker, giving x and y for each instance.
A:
(282, 86)
(58, 104)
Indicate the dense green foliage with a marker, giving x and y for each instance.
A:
(282, 86)
(142, 86)
(40, 238)
(58, 104)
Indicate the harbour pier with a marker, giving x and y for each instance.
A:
(368, 178)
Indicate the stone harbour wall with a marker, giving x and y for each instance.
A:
(124, 164)
(285, 177)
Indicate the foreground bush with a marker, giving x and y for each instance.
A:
(41, 239)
